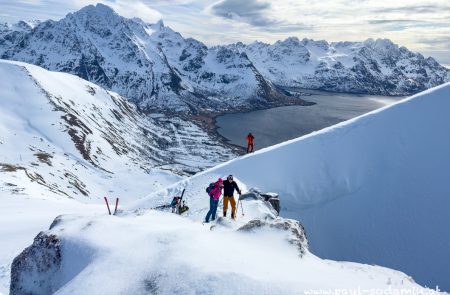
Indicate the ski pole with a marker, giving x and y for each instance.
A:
(242, 208)
(117, 203)
(107, 205)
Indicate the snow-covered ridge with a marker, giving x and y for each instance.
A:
(61, 136)
(373, 189)
(165, 254)
(158, 68)
(372, 66)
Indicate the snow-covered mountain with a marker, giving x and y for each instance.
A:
(159, 69)
(373, 189)
(63, 136)
(373, 66)
(148, 63)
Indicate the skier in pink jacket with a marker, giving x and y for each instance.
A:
(214, 196)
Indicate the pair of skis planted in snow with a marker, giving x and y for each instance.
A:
(107, 205)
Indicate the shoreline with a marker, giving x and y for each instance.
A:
(208, 120)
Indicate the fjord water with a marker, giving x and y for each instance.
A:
(279, 124)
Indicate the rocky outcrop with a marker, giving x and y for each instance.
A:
(34, 270)
(271, 199)
(295, 230)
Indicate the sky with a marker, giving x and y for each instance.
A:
(422, 26)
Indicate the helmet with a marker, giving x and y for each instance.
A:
(220, 180)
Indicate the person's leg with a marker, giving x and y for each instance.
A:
(248, 147)
(211, 205)
(214, 209)
(233, 207)
(225, 205)
(251, 148)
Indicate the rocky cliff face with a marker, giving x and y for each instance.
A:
(157, 68)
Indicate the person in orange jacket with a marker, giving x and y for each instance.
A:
(250, 139)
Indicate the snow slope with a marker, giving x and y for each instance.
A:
(65, 143)
(76, 140)
(21, 217)
(373, 189)
(163, 253)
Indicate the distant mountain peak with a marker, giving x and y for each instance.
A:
(160, 24)
(381, 44)
(99, 8)
(100, 13)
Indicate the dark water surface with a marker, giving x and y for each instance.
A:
(276, 125)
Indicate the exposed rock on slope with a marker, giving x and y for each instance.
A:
(35, 270)
(72, 138)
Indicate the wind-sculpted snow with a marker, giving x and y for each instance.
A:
(157, 68)
(153, 252)
(68, 137)
(373, 189)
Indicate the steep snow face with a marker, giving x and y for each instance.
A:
(166, 254)
(150, 64)
(65, 137)
(373, 189)
(373, 66)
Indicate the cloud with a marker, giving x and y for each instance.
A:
(255, 13)
(251, 11)
(437, 43)
(430, 8)
(130, 9)
(393, 21)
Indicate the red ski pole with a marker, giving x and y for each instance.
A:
(117, 203)
(107, 205)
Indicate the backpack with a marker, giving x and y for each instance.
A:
(209, 188)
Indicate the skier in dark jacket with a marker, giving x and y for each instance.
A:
(228, 189)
